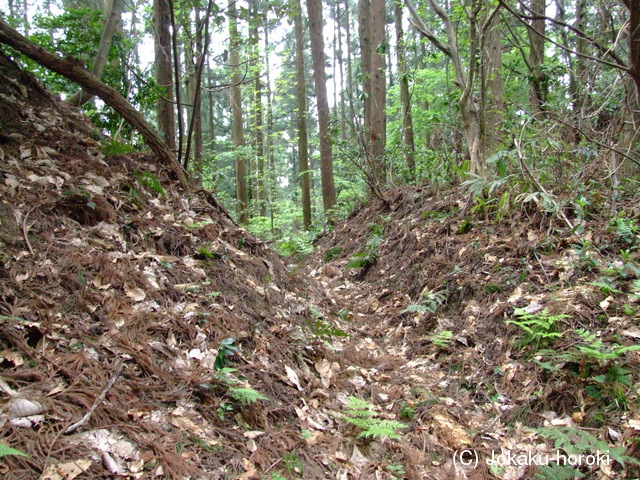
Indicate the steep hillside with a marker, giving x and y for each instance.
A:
(143, 334)
(124, 297)
(513, 332)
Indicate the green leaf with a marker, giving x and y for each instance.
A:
(7, 450)
(246, 396)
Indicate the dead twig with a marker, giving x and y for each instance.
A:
(98, 401)
(536, 182)
(25, 230)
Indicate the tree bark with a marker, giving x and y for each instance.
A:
(405, 100)
(271, 155)
(237, 129)
(377, 115)
(257, 107)
(303, 142)
(75, 71)
(113, 9)
(634, 42)
(492, 82)
(314, 10)
(364, 31)
(470, 108)
(538, 87)
(163, 71)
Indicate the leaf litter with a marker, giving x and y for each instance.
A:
(99, 271)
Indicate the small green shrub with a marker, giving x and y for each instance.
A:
(368, 257)
(539, 329)
(149, 181)
(442, 339)
(431, 302)
(331, 253)
(114, 148)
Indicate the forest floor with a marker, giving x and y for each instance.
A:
(143, 334)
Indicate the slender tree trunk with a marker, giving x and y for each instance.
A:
(176, 76)
(303, 143)
(407, 119)
(350, 91)
(340, 58)
(271, 155)
(25, 16)
(193, 53)
(112, 11)
(163, 71)
(470, 108)
(377, 114)
(201, 24)
(237, 129)
(492, 81)
(257, 108)
(314, 9)
(579, 99)
(364, 31)
(538, 81)
(212, 120)
(634, 42)
(74, 71)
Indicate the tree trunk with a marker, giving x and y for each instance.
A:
(271, 155)
(257, 107)
(74, 71)
(163, 71)
(196, 123)
(538, 82)
(350, 95)
(470, 109)
(303, 143)
(314, 9)
(407, 119)
(237, 129)
(492, 82)
(364, 31)
(112, 11)
(634, 42)
(212, 123)
(377, 115)
(340, 57)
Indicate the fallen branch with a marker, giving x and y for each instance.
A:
(98, 400)
(73, 70)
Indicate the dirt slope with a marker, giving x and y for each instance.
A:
(432, 289)
(110, 272)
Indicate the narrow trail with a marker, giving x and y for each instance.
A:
(379, 363)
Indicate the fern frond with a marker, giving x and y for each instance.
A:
(246, 396)
(382, 428)
(7, 450)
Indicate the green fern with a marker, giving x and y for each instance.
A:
(246, 396)
(574, 441)
(7, 450)
(553, 471)
(594, 347)
(627, 228)
(431, 302)
(362, 260)
(539, 328)
(635, 289)
(442, 339)
(360, 414)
